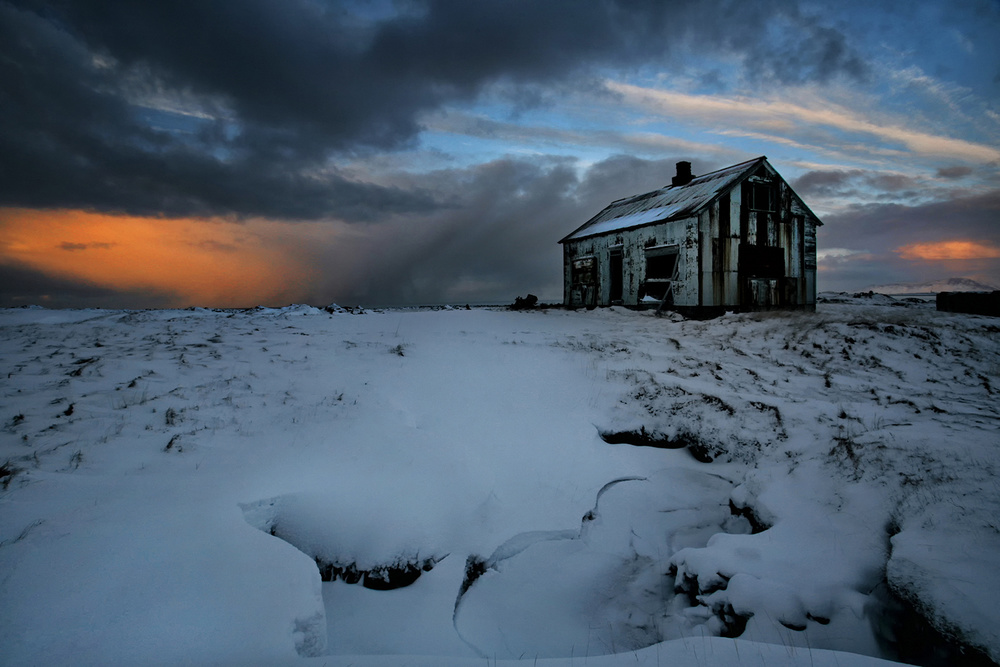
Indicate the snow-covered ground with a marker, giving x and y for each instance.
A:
(567, 485)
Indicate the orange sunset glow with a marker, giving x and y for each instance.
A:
(194, 262)
(949, 250)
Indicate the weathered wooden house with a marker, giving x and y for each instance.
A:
(735, 239)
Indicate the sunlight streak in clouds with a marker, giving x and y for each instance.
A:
(949, 250)
(508, 133)
(783, 115)
(199, 262)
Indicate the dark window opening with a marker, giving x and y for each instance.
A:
(584, 271)
(762, 225)
(761, 197)
(758, 261)
(661, 267)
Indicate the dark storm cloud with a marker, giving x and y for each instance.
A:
(816, 182)
(282, 87)
(954, 172)
(850, 183)
(23, 286)
(825, 54)
(69, 139)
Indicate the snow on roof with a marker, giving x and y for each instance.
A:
(669, 203)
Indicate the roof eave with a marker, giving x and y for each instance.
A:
(672, 218)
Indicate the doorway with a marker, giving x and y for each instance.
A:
(615, 276)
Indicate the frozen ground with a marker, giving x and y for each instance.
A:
(556, 485)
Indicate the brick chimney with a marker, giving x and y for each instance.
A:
(684, 175)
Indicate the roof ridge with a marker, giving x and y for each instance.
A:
(732, 166)
(667, 202)
(642, 195)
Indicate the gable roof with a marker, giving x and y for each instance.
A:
(673, 202)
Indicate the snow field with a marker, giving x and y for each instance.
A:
(149, 455)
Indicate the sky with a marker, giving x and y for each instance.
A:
(234, 153)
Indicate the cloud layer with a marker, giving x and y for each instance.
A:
(185, 108)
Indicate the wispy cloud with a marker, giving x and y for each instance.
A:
(784, 115)
(510, 133)
(72, 247)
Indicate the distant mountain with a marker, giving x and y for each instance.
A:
(948, 285)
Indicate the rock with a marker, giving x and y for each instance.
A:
(526, 303)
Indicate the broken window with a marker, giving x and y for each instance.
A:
(585, 271)
(661, 270)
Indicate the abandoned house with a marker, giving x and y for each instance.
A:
(735, 239)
